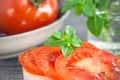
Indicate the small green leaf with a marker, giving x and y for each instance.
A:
(107, 24)
(95, 25)
(103, 4)
(76, 42)
(78, 9)
(57, 35)
(89, 9)
(69, 31)
(106, 19)
(66, 38)
(82, 2)
(95, 1)
(52, 41)
(69, 4)
(67, 49)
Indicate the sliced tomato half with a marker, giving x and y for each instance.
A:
(68, 69)
(88, 64)
(27, 60)
(45, 59)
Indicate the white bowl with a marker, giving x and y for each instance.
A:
(11, 46)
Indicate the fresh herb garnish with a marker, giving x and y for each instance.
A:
(68, 40)
(90, 8)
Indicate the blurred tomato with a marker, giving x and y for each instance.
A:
(18, 16)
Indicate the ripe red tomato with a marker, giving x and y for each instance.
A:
(85, 63)
(28, 62)
(89, 64)
(45, 59)
(18, 16)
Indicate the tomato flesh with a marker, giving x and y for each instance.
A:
(85, 63)
(28, 62)
(45, 59)
(89, 64)
(71, 67)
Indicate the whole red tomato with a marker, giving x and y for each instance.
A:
(18, 16)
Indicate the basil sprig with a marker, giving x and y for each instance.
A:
(95, 21)
(67, 40)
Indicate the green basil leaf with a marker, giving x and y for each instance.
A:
(89, 9)
(95, 25)
(69, 4)
(95, 1)
(106, 19)
(52, 41)
(82, 2)
(66, 49)
(66, 38)
(103, 4)
(69, 31)
(57, 35)
(78, 9)
(107, 24)
(76, 42)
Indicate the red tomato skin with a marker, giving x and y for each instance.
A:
(65, 66)
(113, 63)
(68, 73)
(18, 16)
(88, 63)
(45, 60)
(26, 59)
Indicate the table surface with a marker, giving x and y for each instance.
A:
(10, 69)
